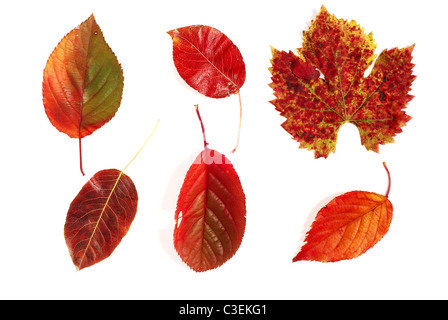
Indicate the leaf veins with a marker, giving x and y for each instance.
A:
(316, 107)
(83, 83)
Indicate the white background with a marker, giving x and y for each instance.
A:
(285, 186)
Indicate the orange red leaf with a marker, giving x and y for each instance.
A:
(348, 226)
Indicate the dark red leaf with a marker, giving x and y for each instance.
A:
(99, 217)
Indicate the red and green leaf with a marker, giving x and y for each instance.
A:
(82, 83)
(316, 107)
(211, 212)
(347, 226)
(99, 217)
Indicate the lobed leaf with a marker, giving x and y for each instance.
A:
(99, 217)
(211, 213)
(316, 107)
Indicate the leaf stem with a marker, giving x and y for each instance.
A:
(388, 176)
(150, 135)
(202, 125)
(80, 157)
(239, 126)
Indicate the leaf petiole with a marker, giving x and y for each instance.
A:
(80, 157)
(388, 176)
(239, 126)
(147, 139)
(202, 125)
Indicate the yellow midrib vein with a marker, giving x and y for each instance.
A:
(100, 218)
(110, 194)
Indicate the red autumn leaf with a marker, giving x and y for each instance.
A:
(347, 226)
(82, 83)
(315, 107)
(99, 217)
(211, 212)
(209, 62)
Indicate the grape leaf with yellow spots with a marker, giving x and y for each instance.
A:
(323, 87)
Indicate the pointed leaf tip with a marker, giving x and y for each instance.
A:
(83, 82)
(347, 227)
